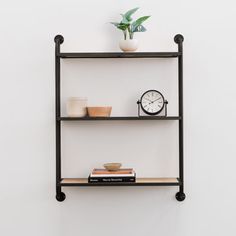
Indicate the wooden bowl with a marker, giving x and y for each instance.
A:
(99, 111)
(112, 166)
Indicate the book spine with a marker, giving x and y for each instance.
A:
(111, 180)
(111, 176)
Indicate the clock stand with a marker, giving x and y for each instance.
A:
(62, 182)
(159, 115)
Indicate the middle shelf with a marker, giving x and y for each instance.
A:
(119, 118)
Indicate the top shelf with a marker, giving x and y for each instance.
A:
(119, 55)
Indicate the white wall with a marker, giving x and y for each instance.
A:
(27, 170)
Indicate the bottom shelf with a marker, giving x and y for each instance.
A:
(139, 182)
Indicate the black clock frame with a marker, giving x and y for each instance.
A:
(152, 113)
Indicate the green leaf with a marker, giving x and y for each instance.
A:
(129, 13)
(115, 23)
(138, 22)
(139, 28)
(124, 20)
(120, 25)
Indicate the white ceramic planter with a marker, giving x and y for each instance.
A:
(76, 107)
(128, 45)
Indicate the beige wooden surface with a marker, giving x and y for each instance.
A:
(138, 180)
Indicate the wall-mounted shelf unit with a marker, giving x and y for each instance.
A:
(64, 182)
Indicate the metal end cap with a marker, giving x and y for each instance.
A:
(179, 38)
(59, 38)
(180, 196)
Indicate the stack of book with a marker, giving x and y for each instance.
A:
(105, 176)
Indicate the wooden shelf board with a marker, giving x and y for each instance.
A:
(118, 54)
(139, 182)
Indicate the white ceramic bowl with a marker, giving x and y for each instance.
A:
(76, 106)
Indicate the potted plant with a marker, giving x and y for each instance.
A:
(129, 27)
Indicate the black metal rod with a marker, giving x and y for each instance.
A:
(179, 40)
(124, 118)
(58, 40)
(118, 55)
(119, 184)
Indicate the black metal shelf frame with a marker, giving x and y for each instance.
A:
(60, 196)
(119, 55)
(119, 118)
(82, 182)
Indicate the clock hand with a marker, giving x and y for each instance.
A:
(155, 100)
(151, 102)
(148, 99)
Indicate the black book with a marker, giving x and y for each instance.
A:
(111, 179)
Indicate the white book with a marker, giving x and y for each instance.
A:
(112, 175)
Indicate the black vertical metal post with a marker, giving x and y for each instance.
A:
(60, 196)
(180, 196)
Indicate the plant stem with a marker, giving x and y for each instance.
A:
(125, 34)
(131, 34)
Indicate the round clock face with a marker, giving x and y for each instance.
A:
(152, 102)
